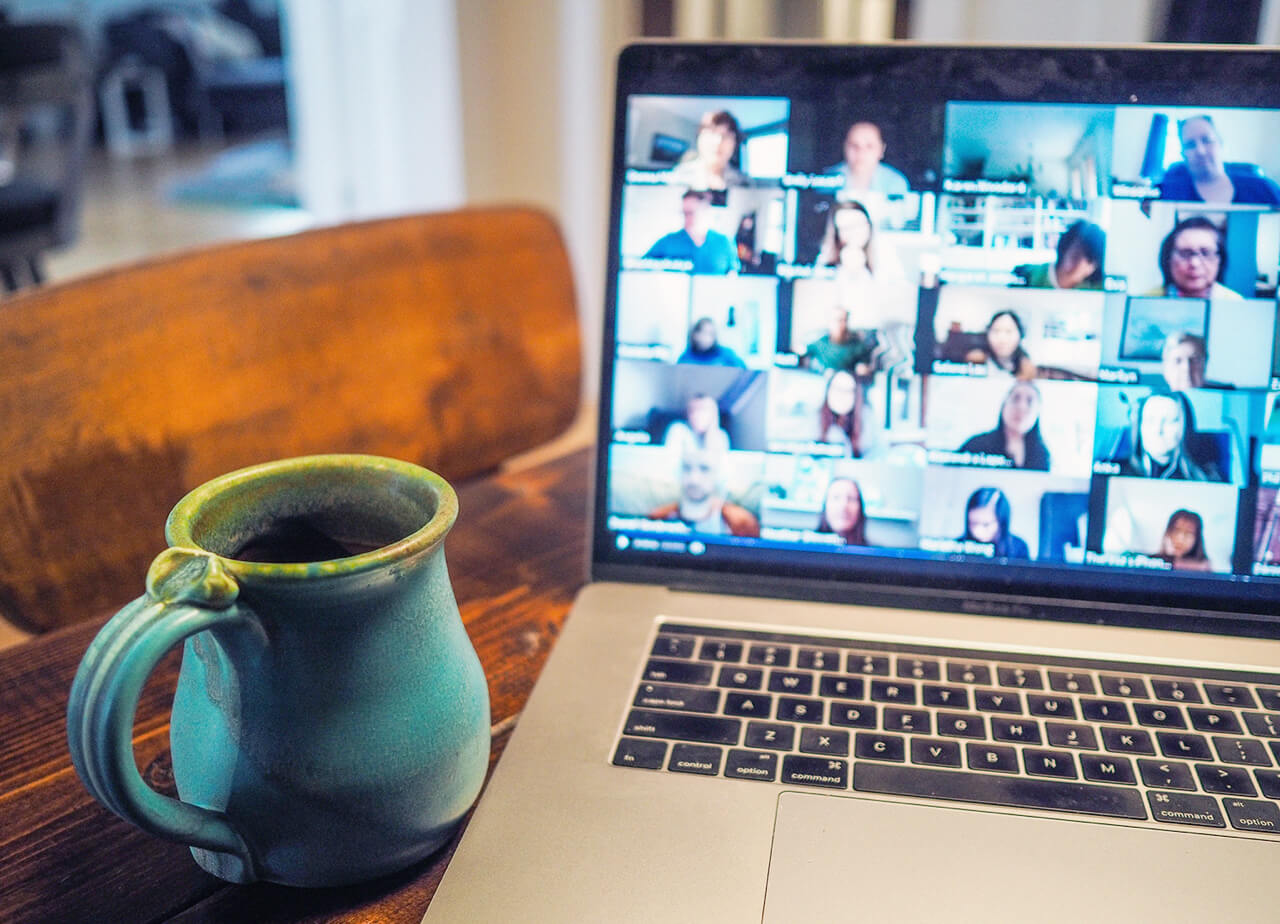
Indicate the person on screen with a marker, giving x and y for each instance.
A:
(1183, 542)
(1203, 176)
(841, 347)
(1193, 259)
(701, 504)
(710, 164)
(1017, 433)
(863, 167)
(986, 519)
(1081, 249)
(1182, 361)
(1002, 350)
(1160, 442)
(840, 417)
(842, 512)
(710, 251)
(700, 429)
(705, 349)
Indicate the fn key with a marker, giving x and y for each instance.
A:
(639, 752)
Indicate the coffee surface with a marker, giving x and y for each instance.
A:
(298, 540)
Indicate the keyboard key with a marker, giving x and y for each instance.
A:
(1129, 687)
(1127, 741)
(935, 751)
(1186, 747)
(796, 682)
(1062, 735)
(1053, 707)
(1230, 695)
(893, 691)
(770, 736)
(994, 789)
(769, 655)
(1107, 769)
(1166, 774)
(791, 709)
(1250, 815)
(670, 696)
(1214, 720)
(673, 646)
(682, 726)
(1233, 781)
(818, 659)
(949, 697)
(1180, 809)
(1023, 678)
(992, 757)
(850, 716)
(815, 771)
(1071, 682)
(1022, 731)
(677, 672)
(1105, 710)
(1268, 782)
(998, 701)
(751, 765)
(645, 753)
(1049, 763)
(1262, 724)
(908, 721)
(961, 725)
(879, 747)
(695, 758)
(1176, 691)
(826, 741)
(842, 686)
(741, 678)
(750, 705)
(1269, 698)
(960, 672)
(1159, 716)
(713, 650)
(919, 668)
(1241, 751)
(872, 665)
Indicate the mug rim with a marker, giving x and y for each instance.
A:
(183, 517)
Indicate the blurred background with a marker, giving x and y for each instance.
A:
(134, 127)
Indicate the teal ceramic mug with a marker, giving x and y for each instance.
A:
(331, 722)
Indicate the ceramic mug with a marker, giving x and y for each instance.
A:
(331, 722)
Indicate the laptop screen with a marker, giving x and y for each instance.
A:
(979, 324)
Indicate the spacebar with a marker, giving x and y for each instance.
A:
(991, 789)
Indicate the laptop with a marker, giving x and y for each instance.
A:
(935, 550)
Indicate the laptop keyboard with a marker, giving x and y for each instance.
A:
(1189, 748)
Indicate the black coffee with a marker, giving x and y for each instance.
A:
(298, 540)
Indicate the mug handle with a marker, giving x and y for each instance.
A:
(188, 591)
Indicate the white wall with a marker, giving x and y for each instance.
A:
(1038, 21)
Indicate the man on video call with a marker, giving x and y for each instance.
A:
(701, 503)
(711, 252)
(863, 167)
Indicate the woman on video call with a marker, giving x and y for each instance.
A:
(1193, 259)
(986, 519)
(840, 417)
(1183, 542)
(1017, 432)
(1160, 442)
(842, 512)
(1002, 349)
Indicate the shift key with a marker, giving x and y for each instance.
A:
(683, 726)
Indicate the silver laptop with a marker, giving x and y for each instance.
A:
(935, 550)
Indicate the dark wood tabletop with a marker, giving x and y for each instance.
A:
(517, 556)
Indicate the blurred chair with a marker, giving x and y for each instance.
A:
(450, 340)
(46, 117)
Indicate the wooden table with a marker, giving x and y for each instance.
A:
(517, 556)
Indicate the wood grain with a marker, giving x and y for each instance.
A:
(516, 556)
(450, 340)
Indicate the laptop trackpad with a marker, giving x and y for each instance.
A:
(846, 859)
